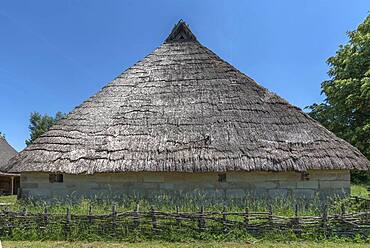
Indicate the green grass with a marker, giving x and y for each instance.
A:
(11, 199)
(359, 190)
(282, 207)
(155, 244)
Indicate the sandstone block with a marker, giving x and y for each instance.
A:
(167, 186)
(329, 175)
(266, 185)
(310, 184)
(29, 185)
(288, 184)
(334, 184)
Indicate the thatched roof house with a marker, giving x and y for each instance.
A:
(9, 182)
(183, 111)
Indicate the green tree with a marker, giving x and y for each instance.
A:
(39, 124)
(346, 109)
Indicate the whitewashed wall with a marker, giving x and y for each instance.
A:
(148, 184)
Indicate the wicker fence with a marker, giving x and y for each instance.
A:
(118, 225)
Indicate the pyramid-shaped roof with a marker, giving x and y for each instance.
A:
(6, 153)
(182, 108)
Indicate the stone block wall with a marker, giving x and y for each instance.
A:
(149, 184)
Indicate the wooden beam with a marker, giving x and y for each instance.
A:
(12, 185)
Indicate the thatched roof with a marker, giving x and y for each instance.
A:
(182, 108)
(6, 153)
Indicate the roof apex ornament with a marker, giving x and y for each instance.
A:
(181, 32)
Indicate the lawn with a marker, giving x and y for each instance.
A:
(261, 244)
(283, 207)
(11, 199)
(360, 190)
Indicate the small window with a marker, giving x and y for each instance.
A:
(222, 177)
(55, 178)
(305, 176)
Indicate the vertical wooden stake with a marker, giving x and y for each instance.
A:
(43, 224)
(296, 227)
(224, 220)
(296, 210)
(24, 213)
(154, 220)
(325, 220)
(270, 214)
(201, 221)
(46, 217)
(246, 218)
(269, 217)
(136, 216)
(178, 216)
(114, 219)
(68, 217)
(325, 213)
(68, 222)
(343, 209)
(89, 216)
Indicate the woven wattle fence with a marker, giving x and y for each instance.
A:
(118, 225)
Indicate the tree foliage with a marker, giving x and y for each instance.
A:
(346, 109)
(39, 124)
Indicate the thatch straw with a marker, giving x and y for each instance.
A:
(6, 153)
(182, 108)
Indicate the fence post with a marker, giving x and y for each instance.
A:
(9, 223)
(269, 223)
(154, 220)
(136, 217)
(24, 212)
(343, 209)
(178, 216)
(296, 210)
(89, 216)
(68, 222)
(201, 221)
(46, 218)
(246, 218)
(325, 220)
(114, 219)
(270, 215)
(296, 227)
(224, 220)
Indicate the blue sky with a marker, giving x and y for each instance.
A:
(55, 54)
